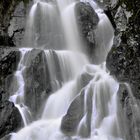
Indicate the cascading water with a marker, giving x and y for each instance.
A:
(18, 97)
(83, 103)
(104, 33)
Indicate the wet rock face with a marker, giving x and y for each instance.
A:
(7, 137)
(71, 120)
(10, 118)
(12, 21)
(5, 40)
(123, 60)
(8, 64)
(130, 110)
(37, 80)
(6, 9)
(79, 110)
(87, 20)
(17, 24)
(75, 114)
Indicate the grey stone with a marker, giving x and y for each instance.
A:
(37, 80)
(87, 20)
(79, 109)
(10, 118)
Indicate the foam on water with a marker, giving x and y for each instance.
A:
(72, 63)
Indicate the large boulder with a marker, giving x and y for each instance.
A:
(8, 64)
(87, 20)
(10, 118)
(130, 112)
(37, 77)
(78, 116)
(12, 21)
(123, 60)
(7, 137)
(37, 80)
(17, 24)
(74, 114)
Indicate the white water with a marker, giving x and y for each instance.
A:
(40, 25)
(102, 87)
(18, 97)
(69, 24)
(104, 33)
(104, 124)
(68, 61)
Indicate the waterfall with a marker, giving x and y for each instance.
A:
(18, 97)
(104, 33)
(79, 99)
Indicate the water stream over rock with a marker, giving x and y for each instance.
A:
(60, 95)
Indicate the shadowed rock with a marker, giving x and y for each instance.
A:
(87, 20)
(10, 118)
(8, 65)
(74, 114)
(78, 117)
(37, 80)
(130, 112)
(7, 137)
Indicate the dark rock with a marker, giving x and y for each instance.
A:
(87, 20)
(2, 94)
(37, 80)
(111, 18)
(7, 137)
(16, 29)
(79, 110)
(74, 114)
(12, 12)
(124, 62)
(42, 76)
(10, 118)
(83, 79)
(6, 41)
(8, 64)
(130, 111)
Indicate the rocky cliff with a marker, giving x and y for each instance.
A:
(12, 24)
(123, 60)
(12, 21)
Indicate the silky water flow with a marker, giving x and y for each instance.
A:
(80, 80)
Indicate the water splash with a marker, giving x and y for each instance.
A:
(67, 12)
(41, 25)
(99, 119)
(104, 34)
(18, 97)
